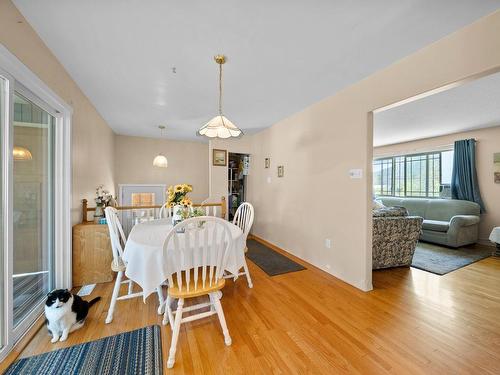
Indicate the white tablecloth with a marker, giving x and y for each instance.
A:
(147, 263)
(495, 235)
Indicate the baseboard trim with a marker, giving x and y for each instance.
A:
(362, 285)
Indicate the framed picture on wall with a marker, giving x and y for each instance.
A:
(496, 165)
(219, 157)
(281, 171)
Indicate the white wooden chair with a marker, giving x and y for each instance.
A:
(118, 240)
(243, 218)
(198, 258)
(165, 211)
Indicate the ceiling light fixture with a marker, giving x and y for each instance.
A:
(220, 126)
(160, 160)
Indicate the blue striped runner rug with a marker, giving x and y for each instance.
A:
(134, 352)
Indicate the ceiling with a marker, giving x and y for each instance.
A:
(283, 55)
(474, 105)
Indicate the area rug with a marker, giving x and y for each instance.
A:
(442, 260)
(135, 352)
(270, 261)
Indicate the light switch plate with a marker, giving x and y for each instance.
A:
(268, 180)
(356, 173)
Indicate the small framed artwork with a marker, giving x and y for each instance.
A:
(497, 177)
(219, 157)
(267, 162)
(281, 170)
(496, 165)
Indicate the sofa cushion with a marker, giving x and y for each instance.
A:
(436, 225)
(390, 211)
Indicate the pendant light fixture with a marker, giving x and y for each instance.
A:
(21, 153)
(220, 126)
(160, 160)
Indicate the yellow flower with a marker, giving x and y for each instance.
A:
(178, 188)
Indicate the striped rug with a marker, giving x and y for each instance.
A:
(135, 352)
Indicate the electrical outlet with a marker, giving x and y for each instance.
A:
(328, 243)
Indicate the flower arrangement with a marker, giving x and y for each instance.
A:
(177, 195)
(102, 197)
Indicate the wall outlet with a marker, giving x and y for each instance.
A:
(328, 243)
(327, 266)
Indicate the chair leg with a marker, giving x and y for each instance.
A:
(130, 287)
(222, 319)
(167, 315)
(175, 333)
(161, 299)
(114, 296)
(247, 273)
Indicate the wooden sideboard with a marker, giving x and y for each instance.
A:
(92, 254)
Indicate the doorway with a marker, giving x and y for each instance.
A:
(237, 174)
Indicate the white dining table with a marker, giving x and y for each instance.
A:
(147, 262)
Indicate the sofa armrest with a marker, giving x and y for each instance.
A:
(463, 220)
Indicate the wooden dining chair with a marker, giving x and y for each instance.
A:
(243, 218)
(118, 240)
(165, 211)
(198, 250)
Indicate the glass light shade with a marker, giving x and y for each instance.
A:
(21, 153)
(220, 127)
(160, 161)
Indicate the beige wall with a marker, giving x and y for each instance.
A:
(92, 139)
(317, 199)
(187, 163)
(488, 143)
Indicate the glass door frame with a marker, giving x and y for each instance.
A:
(19, 78)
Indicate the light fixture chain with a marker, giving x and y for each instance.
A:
(220, 94)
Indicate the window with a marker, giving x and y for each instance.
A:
(143, 199)
(426, 175)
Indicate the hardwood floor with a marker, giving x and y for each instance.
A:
(413, 322)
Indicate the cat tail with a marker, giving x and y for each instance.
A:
(94, 301)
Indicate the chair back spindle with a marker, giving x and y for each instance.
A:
(243, 218)
(198, 248)
(116, 233)
(165, 211)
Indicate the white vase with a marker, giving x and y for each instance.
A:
(176, 216)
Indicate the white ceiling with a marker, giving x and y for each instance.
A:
(283, 54)
(474, 105)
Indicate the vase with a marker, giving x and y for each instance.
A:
(176, 214)
(98, 213)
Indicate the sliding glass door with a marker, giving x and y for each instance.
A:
(33, 208)
(3, 299)
(35, 197)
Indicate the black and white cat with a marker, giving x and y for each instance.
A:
(65, 312)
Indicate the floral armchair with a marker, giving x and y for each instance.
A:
(395, 237)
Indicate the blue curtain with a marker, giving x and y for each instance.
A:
(464, 184)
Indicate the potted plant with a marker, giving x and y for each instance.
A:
(102, 199)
